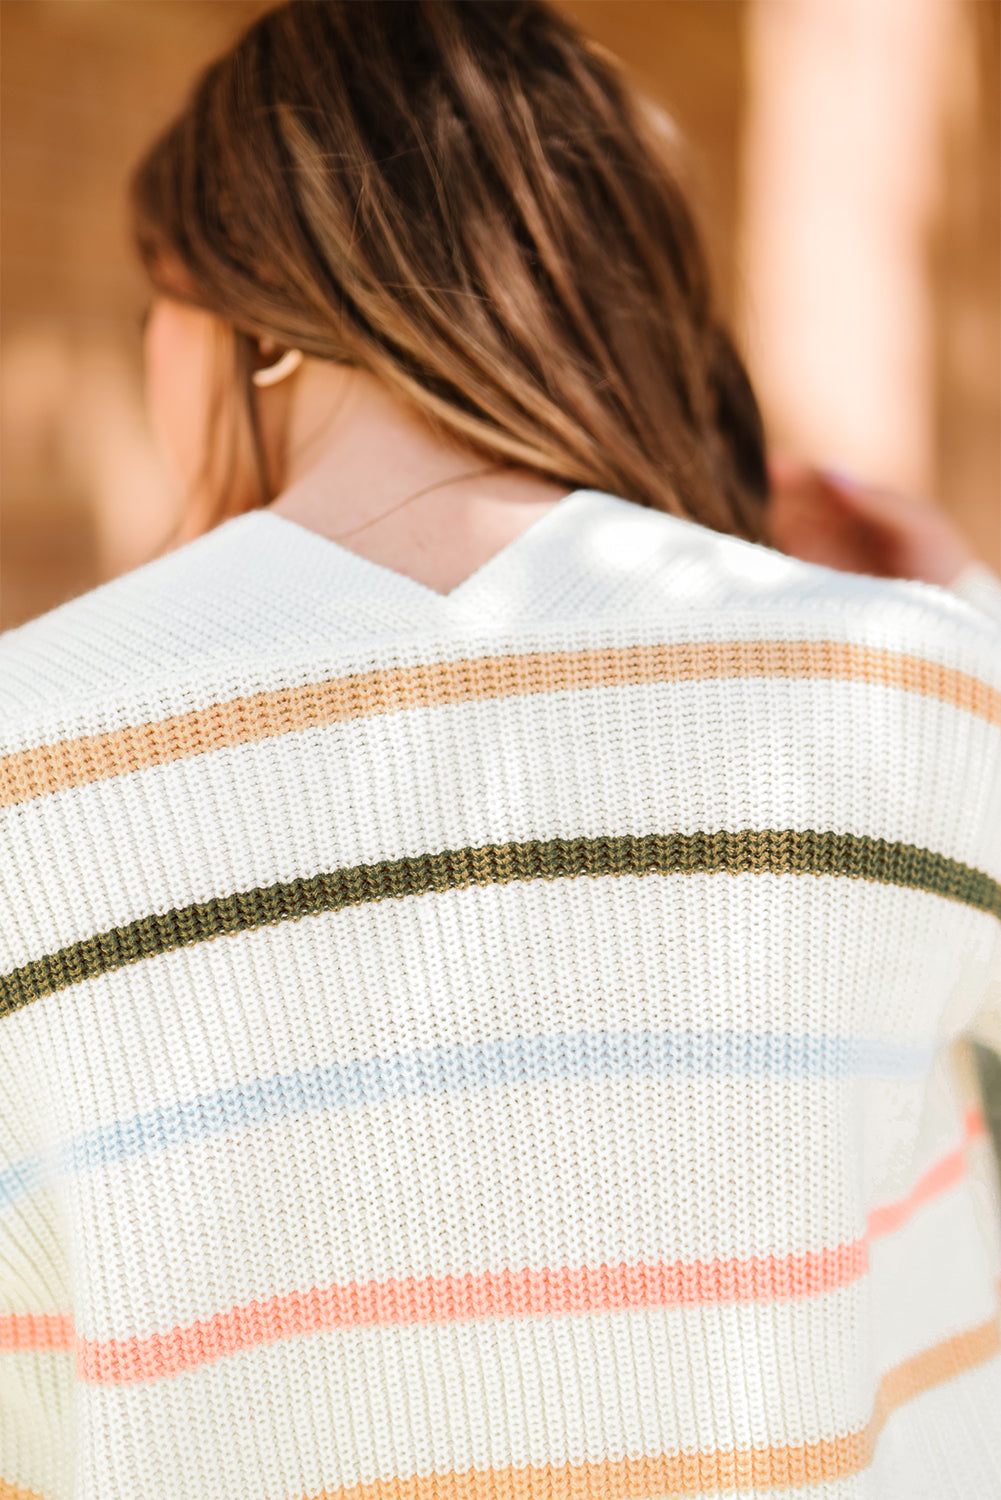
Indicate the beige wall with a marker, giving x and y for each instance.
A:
(689, 55)
(965, 258)
(86, 82)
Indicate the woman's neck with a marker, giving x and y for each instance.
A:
(354, 452)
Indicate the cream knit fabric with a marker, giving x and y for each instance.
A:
(503, 1044)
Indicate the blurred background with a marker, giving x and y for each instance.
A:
(844, 157)
(843, 154)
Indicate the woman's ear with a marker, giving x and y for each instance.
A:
(181, 349)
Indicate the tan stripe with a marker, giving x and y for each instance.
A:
(241, 721)
(932, 1367)
(700, 1472)
(11, 1491)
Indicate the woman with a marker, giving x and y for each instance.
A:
(490, 942)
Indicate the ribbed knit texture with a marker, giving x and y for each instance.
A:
(503, 1044)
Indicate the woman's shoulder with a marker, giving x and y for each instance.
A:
(248, 599)
(136, 626)
(224, 599)
(667, 563)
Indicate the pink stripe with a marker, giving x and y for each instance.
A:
(490, 1294)
(938, 1179)
(35, 1331)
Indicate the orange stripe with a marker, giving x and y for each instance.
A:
(933, 1366)
(700, 1472)
(96, 757)
(488, 1294)
(778, 1464)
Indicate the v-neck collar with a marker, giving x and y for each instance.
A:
(498, 588)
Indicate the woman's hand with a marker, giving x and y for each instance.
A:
(828, 519)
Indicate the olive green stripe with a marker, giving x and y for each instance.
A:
(767, 850)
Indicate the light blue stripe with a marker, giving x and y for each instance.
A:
(491, 1064)
(21, 1178)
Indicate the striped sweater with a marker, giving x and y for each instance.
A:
(500, 1044)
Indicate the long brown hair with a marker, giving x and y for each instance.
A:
(465, 198)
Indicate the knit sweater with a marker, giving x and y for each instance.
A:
(507, 1043)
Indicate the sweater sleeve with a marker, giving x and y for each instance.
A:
(980, 586)
(986, 1028)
